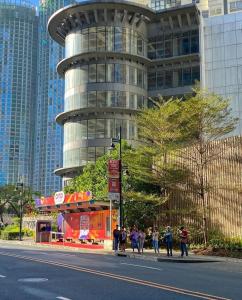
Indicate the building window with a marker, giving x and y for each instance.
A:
(101, 73)
(92, 73)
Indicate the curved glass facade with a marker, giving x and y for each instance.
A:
(76, 81)
(93, 129)
(106, 38)
(105, 73)
(101, 99)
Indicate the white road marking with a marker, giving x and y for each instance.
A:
(2, 276)
(140, 266)
(62, 298)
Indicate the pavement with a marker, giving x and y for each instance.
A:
(147, 255)
(30, 272)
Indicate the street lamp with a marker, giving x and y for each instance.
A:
(20, 186)
(112, 147)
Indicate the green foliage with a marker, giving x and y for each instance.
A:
(226, 243)
(176, 147)
(93, 178)
(140, 213)
(11, 232)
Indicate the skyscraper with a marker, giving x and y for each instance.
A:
(117, 55)
(18, 50)
(48, 135)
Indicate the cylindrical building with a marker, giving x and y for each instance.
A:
(18, 63)
(105, 71)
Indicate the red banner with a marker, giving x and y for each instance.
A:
(72, 198)
(78, 197)
(114, 168)
(113, 185)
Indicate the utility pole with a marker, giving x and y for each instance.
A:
(20, 186)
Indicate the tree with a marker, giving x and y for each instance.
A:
(210, 119)
(161, 133)
(95, 178)
(6, 192)
(177, 143)
(18, 200)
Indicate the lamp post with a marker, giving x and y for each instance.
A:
(119, 140)
(20, 186)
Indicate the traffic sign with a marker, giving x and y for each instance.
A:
(114, 196)
(115, 140)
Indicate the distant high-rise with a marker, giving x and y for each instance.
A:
(48, 135)
(18, 50)
(164, 4)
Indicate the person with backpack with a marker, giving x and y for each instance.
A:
(123, 239)
(184, 241)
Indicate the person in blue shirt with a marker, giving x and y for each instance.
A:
(168, 239)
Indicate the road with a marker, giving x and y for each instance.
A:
(27, 274)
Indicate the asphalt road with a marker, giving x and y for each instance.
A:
(27, 274)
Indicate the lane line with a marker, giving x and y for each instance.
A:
(140, 266)
(172, 289)
(62, 298)
(2, 276)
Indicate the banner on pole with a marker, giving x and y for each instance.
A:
(114, 168)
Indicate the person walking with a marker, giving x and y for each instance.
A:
(116, 234)
(134, 238)
(123, 239)
(184, 241)
(155, 240)
(168, 238)
(141, 240)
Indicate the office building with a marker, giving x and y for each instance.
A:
(18, 53)
(221, 52)
(116, 56)
(166, 4)
(222, 7)
(48, 135)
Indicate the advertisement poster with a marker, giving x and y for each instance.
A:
(84, 226)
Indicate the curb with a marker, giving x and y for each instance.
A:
(187, 260)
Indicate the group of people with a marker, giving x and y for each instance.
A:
(137, 239)
(168, 240)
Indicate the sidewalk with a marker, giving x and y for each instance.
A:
(147, 255)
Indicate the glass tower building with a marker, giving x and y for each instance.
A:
(18, 51)
(48, 134)
(116, 56)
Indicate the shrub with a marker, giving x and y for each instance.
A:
(226, 243)
(28, 232)
(10, 235)
(11, 232)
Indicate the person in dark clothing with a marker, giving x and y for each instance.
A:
(122, 239)
(168, 239)
(116, 234)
